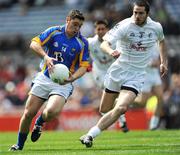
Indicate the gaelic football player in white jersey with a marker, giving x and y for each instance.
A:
(153, 86)
(101, 61)
(136, 37)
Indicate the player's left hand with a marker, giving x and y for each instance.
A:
(69, 80)
(115, 54)
(163, 69)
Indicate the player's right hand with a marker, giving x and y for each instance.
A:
(49, 62)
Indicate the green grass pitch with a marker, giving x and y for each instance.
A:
(161, 142)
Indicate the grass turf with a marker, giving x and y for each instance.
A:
(165, 142)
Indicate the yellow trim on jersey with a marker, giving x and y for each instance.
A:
(37, 39)
(72, 68)
(81, 55)
(84, 64)
(44, 67)
(47, 39)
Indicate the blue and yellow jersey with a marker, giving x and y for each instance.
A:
(72, 52)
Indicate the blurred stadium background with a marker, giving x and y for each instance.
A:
(20, 20)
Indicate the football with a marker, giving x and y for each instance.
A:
(60, 73)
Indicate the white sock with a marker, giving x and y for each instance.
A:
(154, 122)
(94, 131)
(122, 120)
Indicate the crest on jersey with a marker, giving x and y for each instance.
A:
(55, 44)
(72, 51)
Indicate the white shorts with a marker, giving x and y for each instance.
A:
(44, 87)
(152, 78)
(120, 78)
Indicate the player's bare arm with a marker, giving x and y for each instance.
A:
(79, 73)
(37, 48)
(155, 63)
(106, 47)
(163, 58)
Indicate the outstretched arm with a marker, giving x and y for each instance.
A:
(163, 58)
(106, 47)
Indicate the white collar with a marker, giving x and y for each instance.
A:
(148, 20)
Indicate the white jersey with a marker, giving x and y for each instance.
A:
(101, 60)
(134, 42)
(154, 55)
(152, 77)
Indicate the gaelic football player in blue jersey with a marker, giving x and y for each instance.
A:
(59, 44)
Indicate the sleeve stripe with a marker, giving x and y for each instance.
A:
(84, 64)
(37, 39)
(72, 68)
(47, 39)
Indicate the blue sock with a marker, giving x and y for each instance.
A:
(21, 139)
(39, 121)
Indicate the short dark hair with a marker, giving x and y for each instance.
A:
(104, 22)
(142, 3)
(76, 14)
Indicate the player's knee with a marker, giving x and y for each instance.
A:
(50, 114)
(120, 109)
(28, 115)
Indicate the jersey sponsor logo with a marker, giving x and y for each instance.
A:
(139, 43)
(138, 47)
(59, 56)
